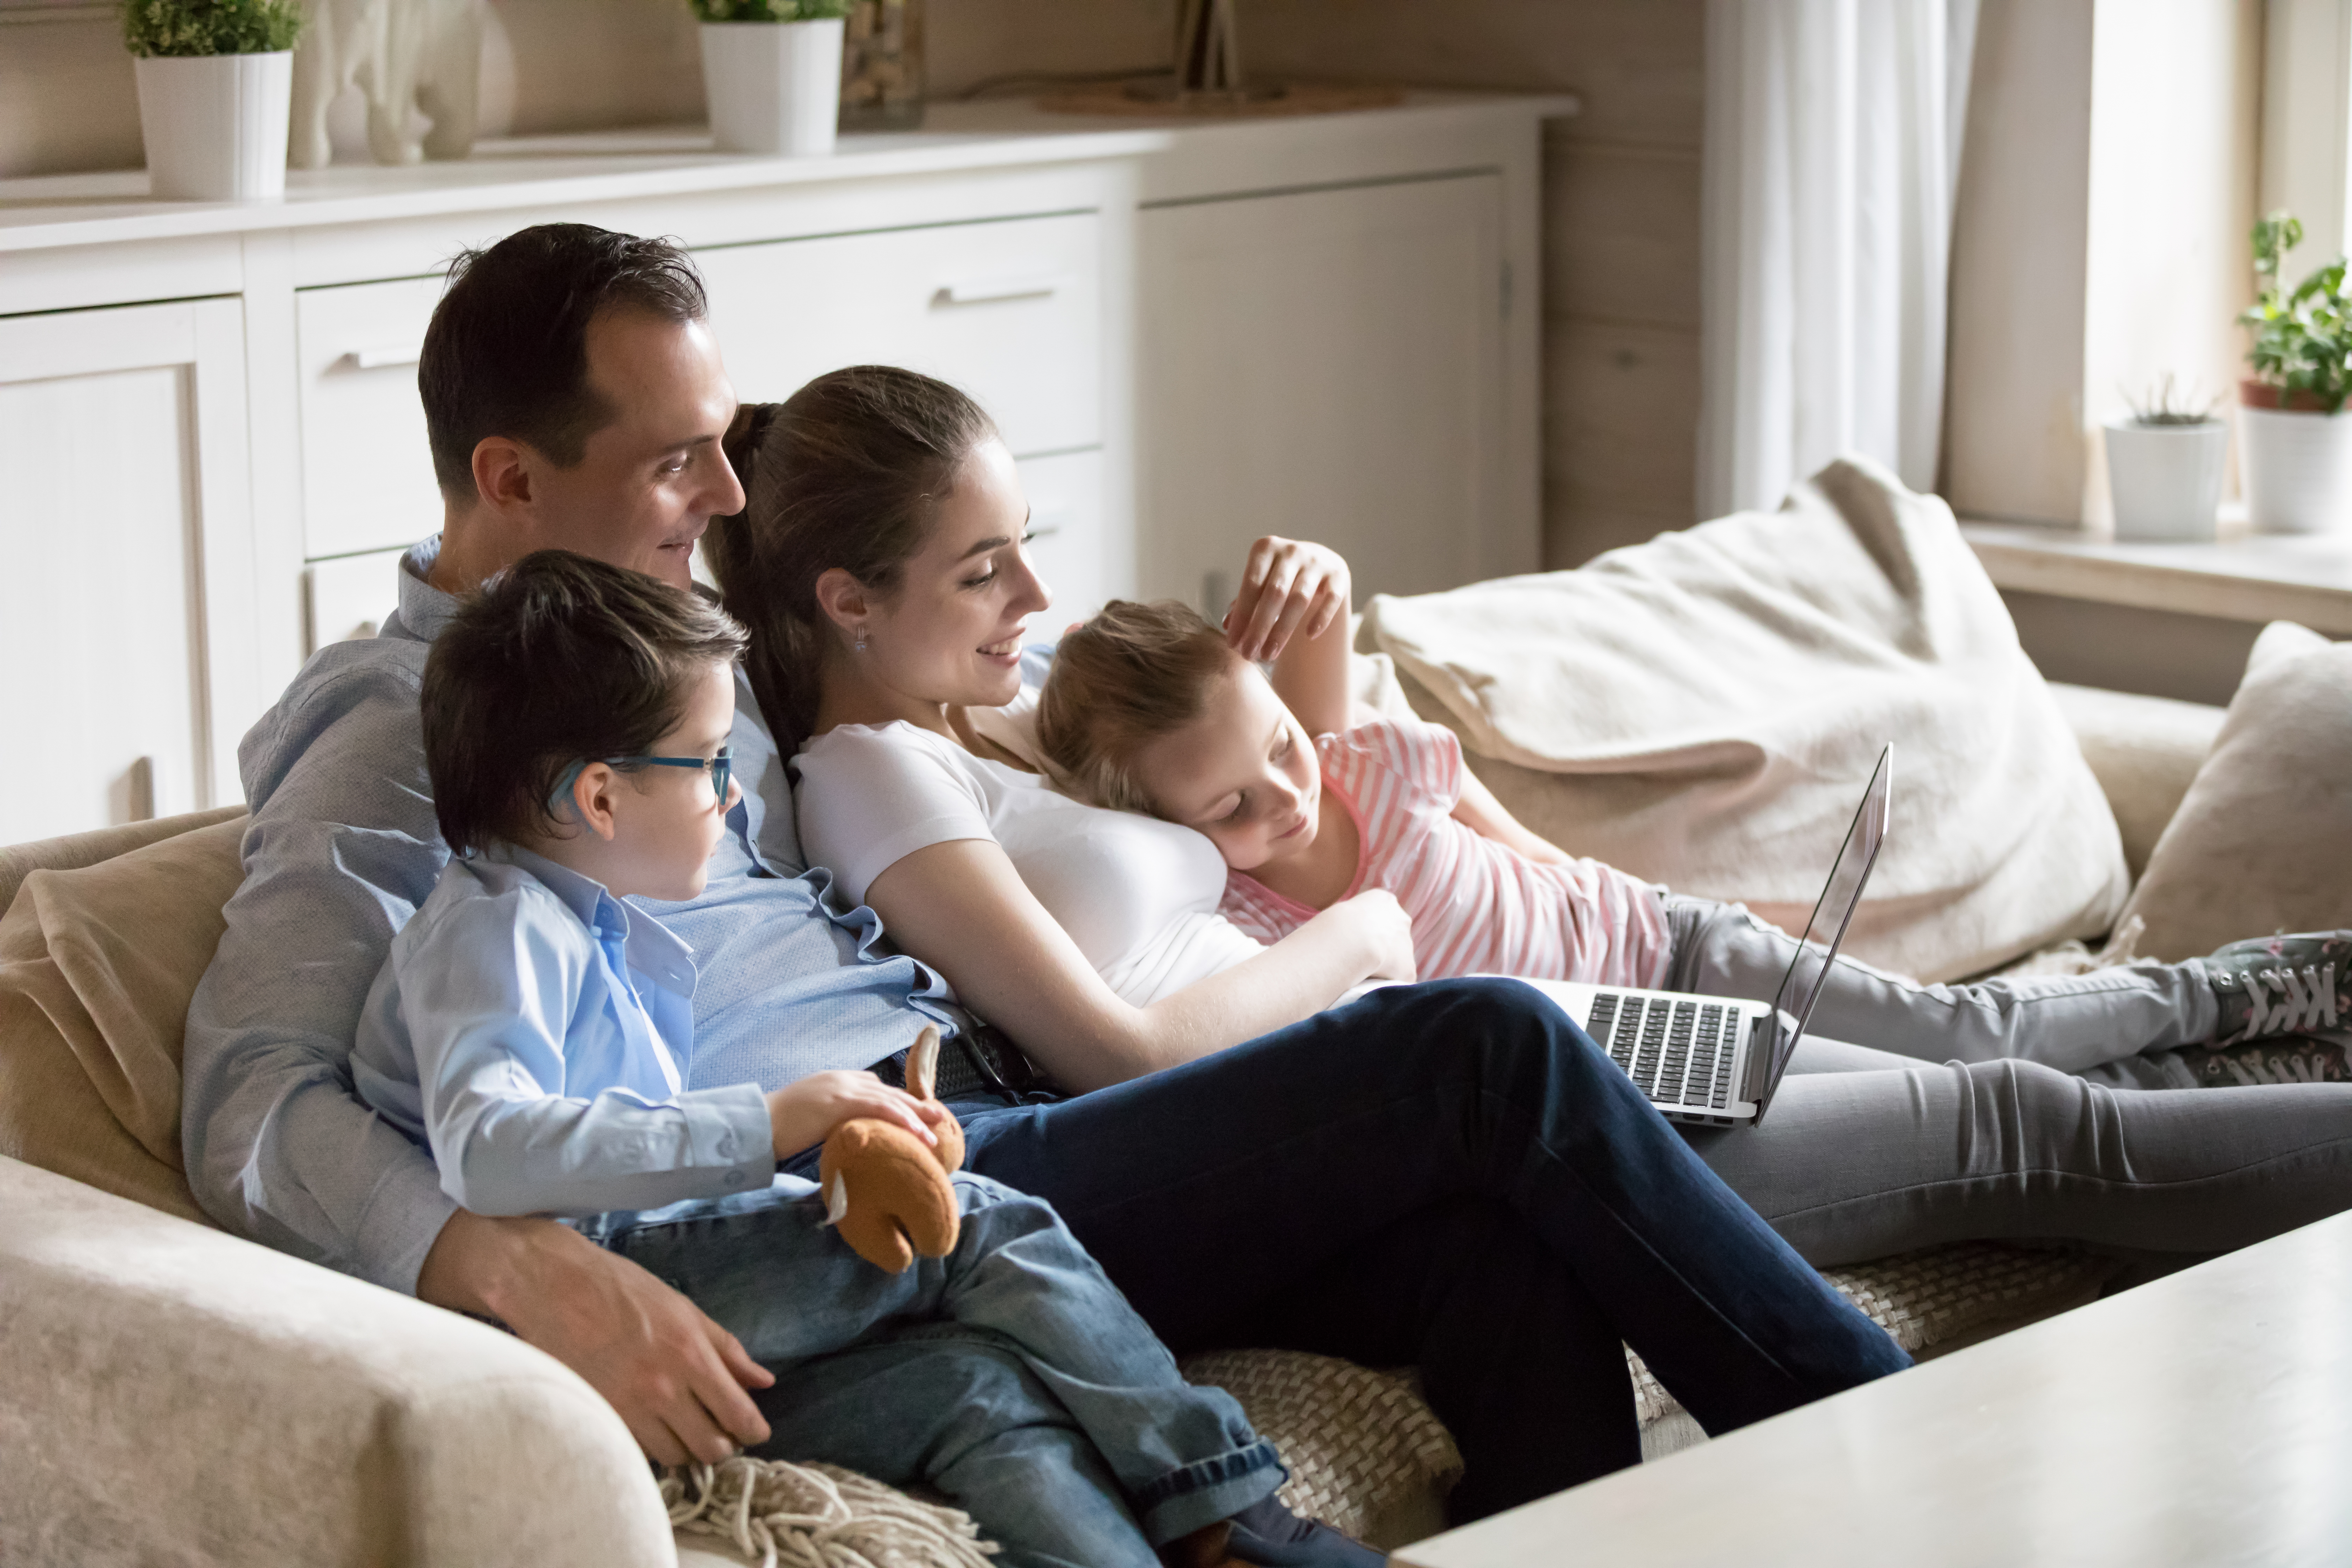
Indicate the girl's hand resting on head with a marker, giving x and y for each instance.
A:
(1288, 588)
(804, 1114)
(1378, 922)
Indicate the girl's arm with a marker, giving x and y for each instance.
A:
(1479, 811)
(1293, 610)
(962, 908)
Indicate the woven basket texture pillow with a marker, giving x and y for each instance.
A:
(97, 965)
(2262, 843)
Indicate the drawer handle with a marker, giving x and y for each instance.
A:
(987, 290)
(383, 356)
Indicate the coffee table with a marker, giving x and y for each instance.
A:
(2204, 1418)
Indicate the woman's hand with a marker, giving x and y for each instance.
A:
(1374, 919)
(804, 1114)
(1289, 587)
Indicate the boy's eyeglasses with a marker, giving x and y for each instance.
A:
(722, 767)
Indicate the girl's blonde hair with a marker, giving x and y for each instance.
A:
(1133, 674)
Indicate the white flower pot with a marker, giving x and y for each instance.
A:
(774, 86)
(2298, 470)
(2166, 478)
(215, 125)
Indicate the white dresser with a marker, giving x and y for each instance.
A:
(1189, 335)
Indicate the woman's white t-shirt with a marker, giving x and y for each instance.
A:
(1138, 895)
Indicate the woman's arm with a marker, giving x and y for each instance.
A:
(962, 908)
(1293, 609)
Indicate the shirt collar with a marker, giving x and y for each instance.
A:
(651, 948)
(424, 609)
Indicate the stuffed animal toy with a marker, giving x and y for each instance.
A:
(885, 1190)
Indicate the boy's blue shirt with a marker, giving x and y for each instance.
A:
(536, 1035)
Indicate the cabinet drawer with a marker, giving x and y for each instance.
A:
(1011, 311)
(367, 474)
(353, 596)
(1067, 543)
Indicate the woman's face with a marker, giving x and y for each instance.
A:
(952, 632)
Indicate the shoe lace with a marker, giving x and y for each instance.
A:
(2307, 1000)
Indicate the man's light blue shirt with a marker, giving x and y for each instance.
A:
(343, 847)
(535, 1032)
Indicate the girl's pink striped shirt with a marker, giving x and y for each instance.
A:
(1478, 907)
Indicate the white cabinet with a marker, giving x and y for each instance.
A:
(1326, 365)
(126, 609)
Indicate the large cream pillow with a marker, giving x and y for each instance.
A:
(1704, 710)
(2263, 842)
(95, 969)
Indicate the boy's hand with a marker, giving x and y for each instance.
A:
(1289, 587)
(802, 1115)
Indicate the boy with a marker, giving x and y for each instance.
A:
(536, 1034)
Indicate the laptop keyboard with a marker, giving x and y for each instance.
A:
(1676, 1052)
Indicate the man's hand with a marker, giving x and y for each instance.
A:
(804, 1113)
(676, 1377)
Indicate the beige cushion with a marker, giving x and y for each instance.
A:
(97, 965)
(2144, 751)
(1702, 710)
(2263, 842)
(18, 861)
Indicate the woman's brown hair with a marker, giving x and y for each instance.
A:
(1133, 674)
(847, 472)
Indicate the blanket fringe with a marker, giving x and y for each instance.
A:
(818, 1516)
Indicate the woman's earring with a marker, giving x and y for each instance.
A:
(861, 639)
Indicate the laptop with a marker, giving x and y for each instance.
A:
(1717, 1060)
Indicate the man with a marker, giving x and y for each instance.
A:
(1449, 1175)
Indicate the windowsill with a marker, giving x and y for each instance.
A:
(2242, 577)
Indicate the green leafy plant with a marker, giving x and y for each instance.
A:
(769, 10)
(152, 27)
(2302, 338)
(2165, 403)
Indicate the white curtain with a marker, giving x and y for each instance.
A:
(1831, 150)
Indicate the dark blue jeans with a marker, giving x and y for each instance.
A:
(1451, 1175)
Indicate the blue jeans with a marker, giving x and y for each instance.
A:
(1010, 1375)
(1450, 1176)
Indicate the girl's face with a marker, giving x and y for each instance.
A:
(1245, 772)
(952, 633)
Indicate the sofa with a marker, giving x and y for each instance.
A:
(170, 1393)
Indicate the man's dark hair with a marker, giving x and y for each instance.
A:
(558, 659)
(507, 353)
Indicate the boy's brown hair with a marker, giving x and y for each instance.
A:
(558, 659)
(1133, 674)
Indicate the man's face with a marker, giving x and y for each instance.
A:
(653, 476)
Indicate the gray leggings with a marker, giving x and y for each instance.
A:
(2038, 1123)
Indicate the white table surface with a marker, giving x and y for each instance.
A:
(2203, 1419)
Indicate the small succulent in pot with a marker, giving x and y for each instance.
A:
(215, 80)
(2165, 404)
(2166, 463)
(771, 72)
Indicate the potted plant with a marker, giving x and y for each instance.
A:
(772, 70)
(2293, 439)
(215, 83)
(2165, 462)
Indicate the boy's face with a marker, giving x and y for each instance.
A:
(667, 821)
(1245, 772)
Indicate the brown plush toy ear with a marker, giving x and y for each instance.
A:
(886, 1189)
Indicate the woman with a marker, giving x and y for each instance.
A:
(1447, 1175)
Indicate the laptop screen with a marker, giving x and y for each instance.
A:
(1801, 988)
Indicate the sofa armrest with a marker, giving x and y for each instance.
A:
(169, 1393)
(2144, 751)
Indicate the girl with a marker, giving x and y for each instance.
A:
(1151, 709)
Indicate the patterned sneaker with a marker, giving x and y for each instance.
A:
(2271, 1061)
(2282, 985)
